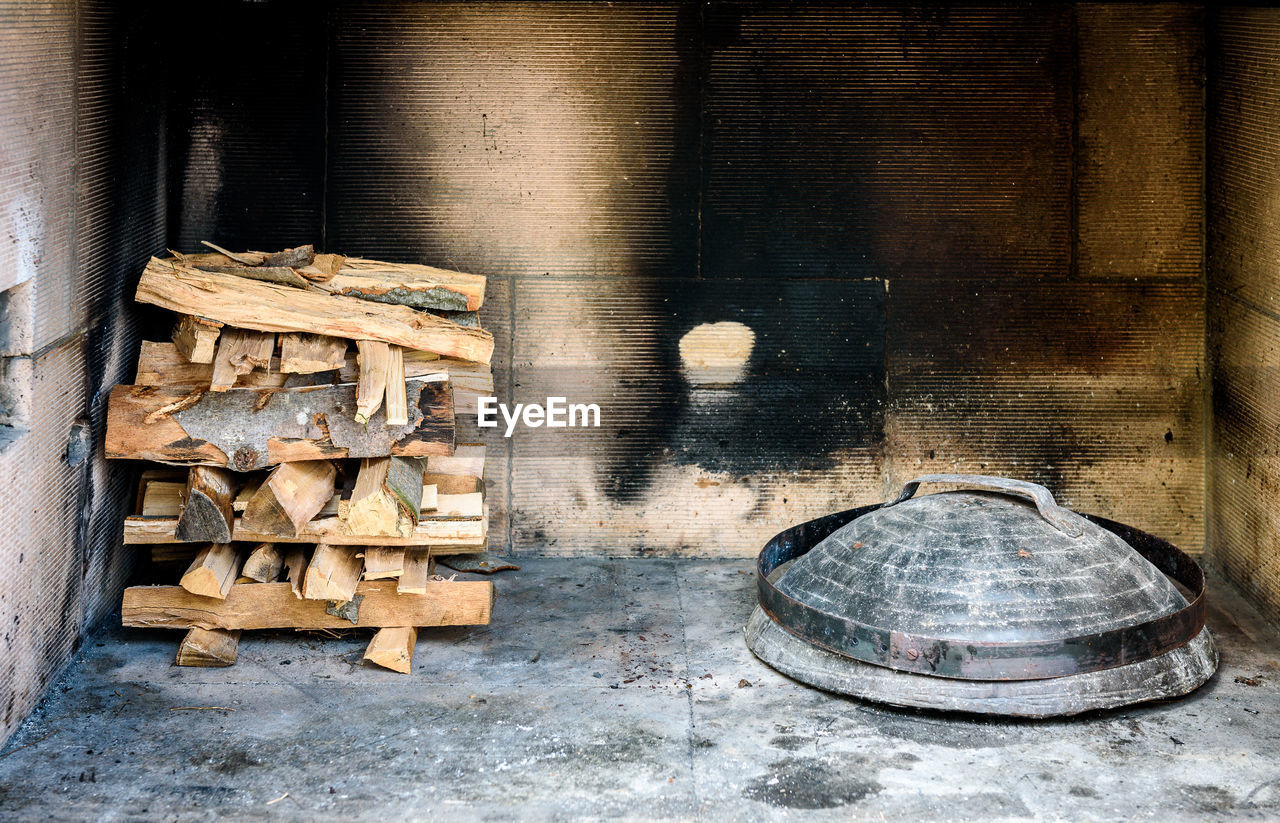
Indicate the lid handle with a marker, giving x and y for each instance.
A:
(1061, 519)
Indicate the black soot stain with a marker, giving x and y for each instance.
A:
(813, 783)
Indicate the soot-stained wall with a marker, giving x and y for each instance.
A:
(797, 253)
(1244, 300)
(81, 208)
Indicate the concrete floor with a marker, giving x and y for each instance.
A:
(610, 689)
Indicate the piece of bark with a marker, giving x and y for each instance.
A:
(245, 258)
(408, 284)
(263, 564)
(213, 571)
(250, 304)
(240, 352)
(453, 484)
(268, 274)
(161, 498)
(392, 648)
(459, 534)
(415, 577)
(295, 564)
(381, 562)
(273, 606)
(208, 648)
(290, 496)
(323, 268)
(207, 506)
(373, 357)
(459, 505)
(332, 573)
(310, 353)
(297, 256)
(195, 338)
(467, 460)
(397, 401)
(386, 499)
(248, 429)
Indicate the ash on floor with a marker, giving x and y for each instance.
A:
(611, 688)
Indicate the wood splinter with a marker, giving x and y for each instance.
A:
(392, 648)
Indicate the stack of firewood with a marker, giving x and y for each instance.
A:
(309, 400)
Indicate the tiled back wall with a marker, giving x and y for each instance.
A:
(964, 239)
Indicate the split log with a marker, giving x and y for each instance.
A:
(323, 268)
(196, 338)
(240, 352)
(273, 606)
(332, 573)
(460, 535)
(311, 353)
(250, 304)
(213, 571)
(248, 429)
(295, 564)
(264, 564)
(392, 648)
(206, 510)
(209, 648)
(408, 284)
(428, 506)
(415, 577)
(387, 498)
(397, 402)
(381, 562)
(290, 496)
(373, 357)
(162, 498)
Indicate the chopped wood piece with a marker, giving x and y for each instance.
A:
(264, 563)
(162, 498)
(459, 505)
(373, 357)
(429, 495)
(247, 492)
(386, 499)
(310, 353)
(392, 648)
(461, 535)
(195, 338)
(416, 575)
(295, 563)
(332, 573)
(453, 484)
(270, 274)
(381, 562)
(248, 258)
(422, 287)
(213, 571)
(323, 268)
(206, 511)
(397, 399)
(467, 460)
(209, 648)
(160, 364)
(250, 304)
(240, 352)
(249, 429)
(291, 495)
(273, 606)
(297, 256)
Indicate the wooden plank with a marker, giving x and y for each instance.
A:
(311, 353)
(248, 429)
(415, 576)
(382, 562)
(291, 495)
(386, 499)
(392, 648)
(333, 573)
(263, 564)
(467, 460)
(240, 351)
(195, 338)
(213, 571)
(206, 510)
(397, 402)
(460, 535)
(209, 648)
(251, 606)
(270, 307)
(409, 284)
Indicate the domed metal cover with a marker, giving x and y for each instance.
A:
(994, 601)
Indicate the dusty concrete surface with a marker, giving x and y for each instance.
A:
(610, 689)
